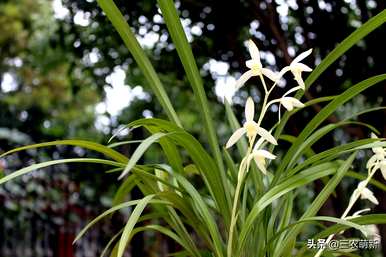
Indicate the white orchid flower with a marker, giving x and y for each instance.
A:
(378, 160)
(372, 231)
(382, 166)
(250, 127)
(364, 193)
(255, 67)
(290, 103)
(369, 195)
(260, 156)
(379, 151)
(297, 68)
(377, 163)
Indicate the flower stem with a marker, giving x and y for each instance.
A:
(263, 108)
(348, 209)
(244, 167)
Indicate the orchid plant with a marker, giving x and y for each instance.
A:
(239, 210)
(253, 129)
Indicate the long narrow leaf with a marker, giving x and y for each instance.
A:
(80, 143)
(316, 204)
(37, 166)
(323, 115)
(126, 233)
(334, 55)
(274, 193)
(128, 37)
(200, 157)
(184, 51)
(141, 149)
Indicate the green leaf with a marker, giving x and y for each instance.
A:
(362, 220)
(203, 161)
(334, 55)
(345, 45)
(231, 167)
(126, 233)
(337, 151)
(115, 16)
(168, 233)
(124, 143)
(205, 214)
(317, 135)
(112, 210)
(185, 206)
(111, 241)
(316, 205)
(277, 191)
(37, 166)
(170, 150)
(345, 222)
(80, 143)
(184, 51)
(124, 189)
(323, 115)
(141, 149)
(285, 208)
(374, 109)
(362, 177)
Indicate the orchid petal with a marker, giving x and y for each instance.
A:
(265, 154)
(302, 56)
(296, 103)
(249, 110)
(354, 195)
(371, 162)
(260, 163)
(367, 194)
(358, 213)
(235, 137)
(258, 143)
(301, 67)
(287, 103)
(254, 64)
(292, 90)
(270, 74)
(383, 168)
(378, 151)
(283, 71)
(372, 230)
(300, 81)
(266, 135)
(244, 78)
(253, 50)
